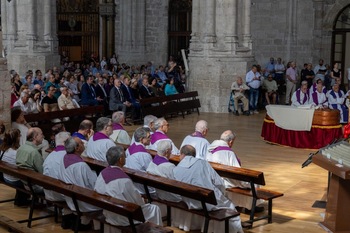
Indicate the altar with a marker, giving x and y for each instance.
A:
(301, 127)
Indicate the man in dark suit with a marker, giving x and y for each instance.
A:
(129, 96)
(88, 94)
(117, 100)
(145, 92)
(101, 94)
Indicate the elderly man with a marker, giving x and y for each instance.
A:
(51, 168)
(117, 101)
(148, 122)
(65, 100)
(100, 142)
(270, 87)
(197, 139)
(291, 81)
(238, 88)
(198, 172)
(73, 170)
(253, 80)
(318, 98)
(162, 127)
(113, 182)
(301, 96)
(220, 152)
(336, 100)
(119, 134)
(24, 104)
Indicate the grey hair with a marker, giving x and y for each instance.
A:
(227, 136)
(101, 123)
(62, 88)
(114, 154)
(24, 94)
(117, 117)
(201, 126)
(188, 150)
(163, 146)
(159, 122)
(140, 132)
(70, 144)
(61, 137)
(147, 120)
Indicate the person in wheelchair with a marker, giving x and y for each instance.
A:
(270, 87)
(238, 89)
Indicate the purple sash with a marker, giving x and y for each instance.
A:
(158, 136)
(197, 134)
(225, 148)
(298, 97)
(136, 148)
(117, 126)
(112, 173)
(159, 160)
(59, 148)
(99, 136)
(70, 159)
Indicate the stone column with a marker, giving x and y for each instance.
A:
(47, 21)
(231, 28)
(5, 94)
(31, 31)
(247, 41)
(208, 17)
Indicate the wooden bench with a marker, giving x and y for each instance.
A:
(243, 174)
(173, 104)
(200, 194)
(77, 193)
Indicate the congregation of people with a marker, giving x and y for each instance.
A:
(103, 142)
(322, 87)
(118, 87)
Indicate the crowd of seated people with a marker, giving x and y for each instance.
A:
(118, 87)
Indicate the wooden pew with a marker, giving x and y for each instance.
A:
(172, 104)
(187, 190)
(77, 193)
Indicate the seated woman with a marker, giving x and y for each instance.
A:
(170, 89)
(34, 100)
(8, 154)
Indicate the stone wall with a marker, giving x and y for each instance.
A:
(5, 93)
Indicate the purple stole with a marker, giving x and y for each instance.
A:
(315, 98)
(158, 160)
(225, 148)
(136, 148)
(59, 148)
(298, 93)
(70, 159)
(197, 134)
(333, 94)
(99, 136)
(117, 126)
(158, 136)
(113, 173)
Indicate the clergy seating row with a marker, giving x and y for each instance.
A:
(200, 194)
(77, 193)
(173, 104)
(253, 177)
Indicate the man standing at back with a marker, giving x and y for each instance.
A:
(291, 81)
(197, 139)
(252, 79)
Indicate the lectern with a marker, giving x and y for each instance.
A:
(336, 160)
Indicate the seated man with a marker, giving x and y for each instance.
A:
(51, 165)
(117, 101)
(270, 87)
(238, 88)
(220, 152)
(336, 100)
(113, 182)
(65, 100)
(88, 94)
(100, 142)
(161, 126)
(119, 134)
(148, 122)
(85, 132)
(318, 97)
(73, 170)
(197, 139)
(301, 96)
(199, 172)
(49, 102)
(24, 103)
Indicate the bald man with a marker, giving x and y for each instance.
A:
(197, 139)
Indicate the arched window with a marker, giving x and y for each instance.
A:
(341, 42)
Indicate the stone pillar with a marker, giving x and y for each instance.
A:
(5, 94)
(215, 59)
(247, 37)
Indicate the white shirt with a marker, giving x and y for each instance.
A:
(249, 79)
(98, 145)
(199, 143)
(10, 157)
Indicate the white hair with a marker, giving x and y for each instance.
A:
(61, 137)
(147, 120)
(201, 126)
(227, 136)
(117, 117)
(163, 146)
(159, 122)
